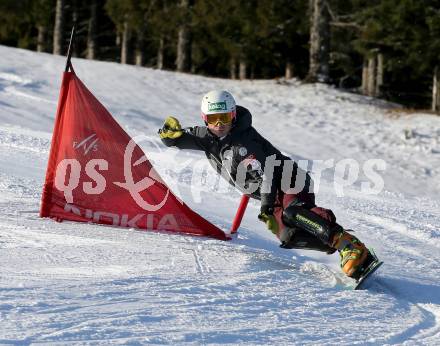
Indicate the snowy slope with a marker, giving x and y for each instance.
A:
(81, 284)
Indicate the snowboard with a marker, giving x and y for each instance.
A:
(367, 277)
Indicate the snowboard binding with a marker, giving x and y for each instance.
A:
(364, 274)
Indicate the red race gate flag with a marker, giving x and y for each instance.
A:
(97, 173)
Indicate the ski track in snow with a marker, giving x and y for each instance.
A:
(81, 284)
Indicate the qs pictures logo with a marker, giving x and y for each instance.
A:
(89, 176)
(135, 188)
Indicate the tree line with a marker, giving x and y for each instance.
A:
(381, 48)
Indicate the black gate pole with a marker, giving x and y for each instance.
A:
(69, 51)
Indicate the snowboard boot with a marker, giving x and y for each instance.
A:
(354, 254)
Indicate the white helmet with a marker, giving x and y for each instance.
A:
(218, 101)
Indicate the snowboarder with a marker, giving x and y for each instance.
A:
(232, 145)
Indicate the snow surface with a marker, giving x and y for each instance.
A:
(79, 284)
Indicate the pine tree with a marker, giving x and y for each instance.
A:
(319, 69)
(17, 23)
(58, 29)
(92, 29)
(184, 39)
(163, 33)
(42, 12)
(407, 33)
(121, 13)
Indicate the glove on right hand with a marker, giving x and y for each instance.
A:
(270, 221)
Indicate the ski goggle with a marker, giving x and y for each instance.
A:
(222, 118)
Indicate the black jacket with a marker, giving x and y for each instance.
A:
(242, 153)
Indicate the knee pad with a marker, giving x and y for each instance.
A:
(297, 216)
(295, 238)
